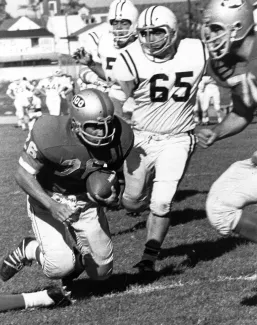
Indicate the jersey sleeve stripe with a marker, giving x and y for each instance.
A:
(204, 57)
(27, 167)
(95, 38)
(131, 66)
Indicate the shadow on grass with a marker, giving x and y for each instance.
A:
(250, 301)
(117, 283)
(203, 251)
(183, 194)
(178, 218)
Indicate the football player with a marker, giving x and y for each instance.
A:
(31, 105)
(230, 36)
(208, 92)
(156, 72)
(52, 87)
(71, 231)
(122, 19)
(16, 91)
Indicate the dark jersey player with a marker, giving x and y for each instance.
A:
(71, 231)
(230, 36)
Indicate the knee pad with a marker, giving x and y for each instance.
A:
(160, 208)
(223, 217)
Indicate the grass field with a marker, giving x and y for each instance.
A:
(201, 279)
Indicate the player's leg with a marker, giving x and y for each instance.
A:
(53, 104)
(172, 158)
(93, 238)
(138, 173)
(205, 106)
(216, 103)
(50, 248)
(20, 113)
(228, 198)
(197, 107)
(53, 296)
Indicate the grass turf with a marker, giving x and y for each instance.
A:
(202, 278)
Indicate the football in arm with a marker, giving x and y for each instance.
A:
(101, 181)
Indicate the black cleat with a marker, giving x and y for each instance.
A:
(61, 297)
(15, 261)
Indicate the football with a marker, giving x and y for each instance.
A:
(100, 182)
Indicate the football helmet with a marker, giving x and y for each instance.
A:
(225, 22)
(122, 10)
(93, 107)
(157, 18)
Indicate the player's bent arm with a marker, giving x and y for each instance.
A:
(128, 87)
(124, 77)
(236, 121)
(28, 182)
(88, 76)
(31, 186)
(97, 68)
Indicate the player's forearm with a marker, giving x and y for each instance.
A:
(232, 124)
(97, 68)
(128, 87)
(30, 186)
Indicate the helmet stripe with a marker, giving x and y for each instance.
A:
(118, 10)
(149, 15)
(151, 18)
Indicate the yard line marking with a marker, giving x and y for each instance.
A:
(139, 290)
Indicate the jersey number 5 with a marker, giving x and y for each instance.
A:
(160, 94)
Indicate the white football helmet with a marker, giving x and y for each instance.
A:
(225, 22)
(123, 10)
(153, 18)
(93, 107)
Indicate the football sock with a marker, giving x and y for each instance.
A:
(151, 251)
(32, 253)
(37, 299)
(10, 302)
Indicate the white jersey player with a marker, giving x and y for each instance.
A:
(51, 88)
(32, 109)
(122, 19)
(88, 78)
(16, 91)
(158, 73)
(208, 92)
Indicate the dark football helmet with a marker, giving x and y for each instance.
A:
(93, 107)
(225, 22)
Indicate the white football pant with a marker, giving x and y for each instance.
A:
(154, 168)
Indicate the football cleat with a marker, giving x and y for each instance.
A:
(15, 261)
(145, 266)
(60, 296)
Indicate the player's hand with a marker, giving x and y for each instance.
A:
(206, 137)
(111, 201)
(83, 57)
(62, 212)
